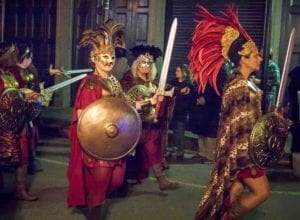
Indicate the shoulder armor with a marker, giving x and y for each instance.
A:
(9, 80)
(91, 83)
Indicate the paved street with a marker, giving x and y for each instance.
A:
(144, 201)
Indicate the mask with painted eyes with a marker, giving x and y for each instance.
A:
(145, 61)
(105, 58)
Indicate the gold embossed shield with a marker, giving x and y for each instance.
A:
(109, 128)
(267, 140)
(12, 110)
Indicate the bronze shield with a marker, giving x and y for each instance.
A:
(267, 140)
(109, 128)
(12, 110)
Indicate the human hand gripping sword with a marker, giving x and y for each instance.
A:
(67, 73)
(46, 94)
(165, 67)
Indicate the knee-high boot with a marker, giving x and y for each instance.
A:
(94, 213)
(164, 183)
(22, 193)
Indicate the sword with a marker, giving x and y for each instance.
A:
(165, 67)
(167, 58)
(67, 73)
(46, 94)
(70, 72)
(270, 133)
(285, 70)
(64, 83)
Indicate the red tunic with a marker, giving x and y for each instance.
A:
(150, 149)
(79, 160)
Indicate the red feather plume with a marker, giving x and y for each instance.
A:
(205, 55)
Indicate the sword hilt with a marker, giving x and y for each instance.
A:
(46, 97)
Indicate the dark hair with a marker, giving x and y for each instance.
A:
(143, 49)
(185, 71)
(235, 47)
(24, 52)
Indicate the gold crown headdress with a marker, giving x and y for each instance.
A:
(211, 42)
(104, 36)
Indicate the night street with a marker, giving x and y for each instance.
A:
(144, 201)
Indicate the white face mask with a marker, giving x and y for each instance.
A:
(145, 61)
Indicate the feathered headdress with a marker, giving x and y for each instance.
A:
(155, 52)
(211, 41)
(108, 35)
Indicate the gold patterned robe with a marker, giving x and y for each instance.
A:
(240, 109)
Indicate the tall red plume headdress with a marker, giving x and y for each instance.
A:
(211, 42)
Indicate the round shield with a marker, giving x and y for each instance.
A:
(109, 128)
(267, 140)
(12, 110)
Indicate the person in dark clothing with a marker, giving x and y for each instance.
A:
(183, 90)
(293, 94)
(204, 118)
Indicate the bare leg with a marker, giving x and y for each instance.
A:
(21, 175)
(164, 183)
(259, 192)
(236, 189)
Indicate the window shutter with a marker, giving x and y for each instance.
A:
(251, 15)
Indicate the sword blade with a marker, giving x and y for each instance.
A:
(70, 72)
(64, 83)
(285, 70)
(167, 58)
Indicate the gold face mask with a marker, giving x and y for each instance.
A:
(105, 58)
(104, 54)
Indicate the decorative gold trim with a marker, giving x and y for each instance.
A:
(248, 47)
(228, 37)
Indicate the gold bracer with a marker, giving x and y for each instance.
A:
(228, 37)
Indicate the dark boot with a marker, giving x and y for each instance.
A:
(164, 183)
(95, 213)
(22, 193)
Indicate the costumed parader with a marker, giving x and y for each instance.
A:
(26, 74)
(215, 40)
(141, 84)
(96, 161)
(14, 104)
